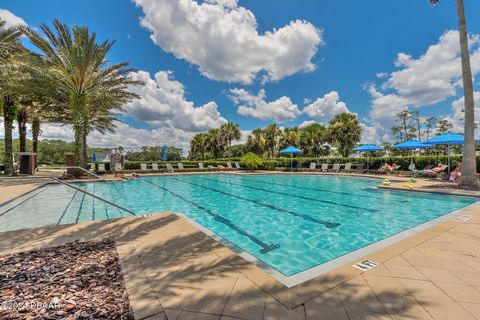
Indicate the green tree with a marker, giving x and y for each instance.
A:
(230, 131)
(289, 137)
(79, 79)
(198, 146)
(468, 178)
(10, 54)
(430, 123)
(251, 161)
(272, 134)
(443, 126)
(345, 132)
(256, 142)
(313, 139)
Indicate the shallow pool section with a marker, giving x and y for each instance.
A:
(290, 222)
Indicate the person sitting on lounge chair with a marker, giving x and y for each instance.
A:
(435, 171)
(456, 174)
(387, 168)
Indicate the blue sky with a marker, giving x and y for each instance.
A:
(284, 61)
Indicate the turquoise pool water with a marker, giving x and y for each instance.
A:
(290, 222)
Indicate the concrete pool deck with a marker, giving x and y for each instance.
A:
(173, 270)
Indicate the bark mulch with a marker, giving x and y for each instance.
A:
(80, 280)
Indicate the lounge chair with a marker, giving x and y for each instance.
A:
(201, 166)
(415, 172)
(118, 167)
(324, 167)
(336, 167)
(237, 166)
(299, 166)
(180, 166)
(210, 167)
(155, 166)
(348, 167)
(101, 168)
(229, 166)
(433, 173)
(313, 166)
(360, 168)
(169, 167)
(143, 167)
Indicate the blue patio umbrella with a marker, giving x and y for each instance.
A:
(368, 148)
(448, 139)
(94, 157)
(164, 152)
(291, 150)
(412, 145)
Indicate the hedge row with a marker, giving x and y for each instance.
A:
(375, 162)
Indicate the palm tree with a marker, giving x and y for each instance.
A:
(214, 142)
(468, 178)
(198, 145)
(271, 135)
(345, 131)
(230, 132)
(290, 137)
(256, 142)
(79, 78)
(10, 53)
(313, 138)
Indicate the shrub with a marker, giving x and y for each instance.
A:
(251, 161)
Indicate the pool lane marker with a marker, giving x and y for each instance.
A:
(80, 209)
(327, 224)
(365, 265)
(265, 247)
(297, 196)
(66, 208)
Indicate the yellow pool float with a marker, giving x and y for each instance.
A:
(408, 186)
(386, 182)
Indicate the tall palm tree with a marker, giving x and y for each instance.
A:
(230, 132)
(290, 137)
(345, 131)
(79, 77)
(256, 142)
(271, 135)
(468, 178)
(313, 138)
(214, 142)
(10, 54)
(198, 145)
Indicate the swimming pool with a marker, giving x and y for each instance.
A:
(290, 222)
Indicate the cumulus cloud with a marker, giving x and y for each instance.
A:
(432, 78)
(458, 114)
(221, 38)
(325, 108)
(280, 110)
(307, 123)
(163, 104)
(11, 20)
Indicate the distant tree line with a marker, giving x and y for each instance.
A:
(342, 134)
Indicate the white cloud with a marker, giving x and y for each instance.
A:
(221, 38)
(11, 19)
(307, 123)
(163, 104)
(325, 108)
(432, 78)
(458, 115)
(280, 110)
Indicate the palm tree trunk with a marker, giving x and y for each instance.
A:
(8, 116)
(35, 135)
(79, 105)
(469, 166)
(22, 129)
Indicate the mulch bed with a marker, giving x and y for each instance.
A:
(80, 280)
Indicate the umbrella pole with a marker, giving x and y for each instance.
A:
(448, 153)
(291, 159)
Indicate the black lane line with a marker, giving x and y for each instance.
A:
(66, 208)
(265, 247)
(22, 202)
(80, 208)
(93, 205)
(306, 188)
(327, 224)
(300, 197)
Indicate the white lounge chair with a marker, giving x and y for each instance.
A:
(229, 166)
(101, 168)
(348, 167)
(169, 167)
(237, 166)
(143, 167)
(155, 166)
(324, 167)
(180, 166)
(201, 166)
(336, 167)
(313, 166)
